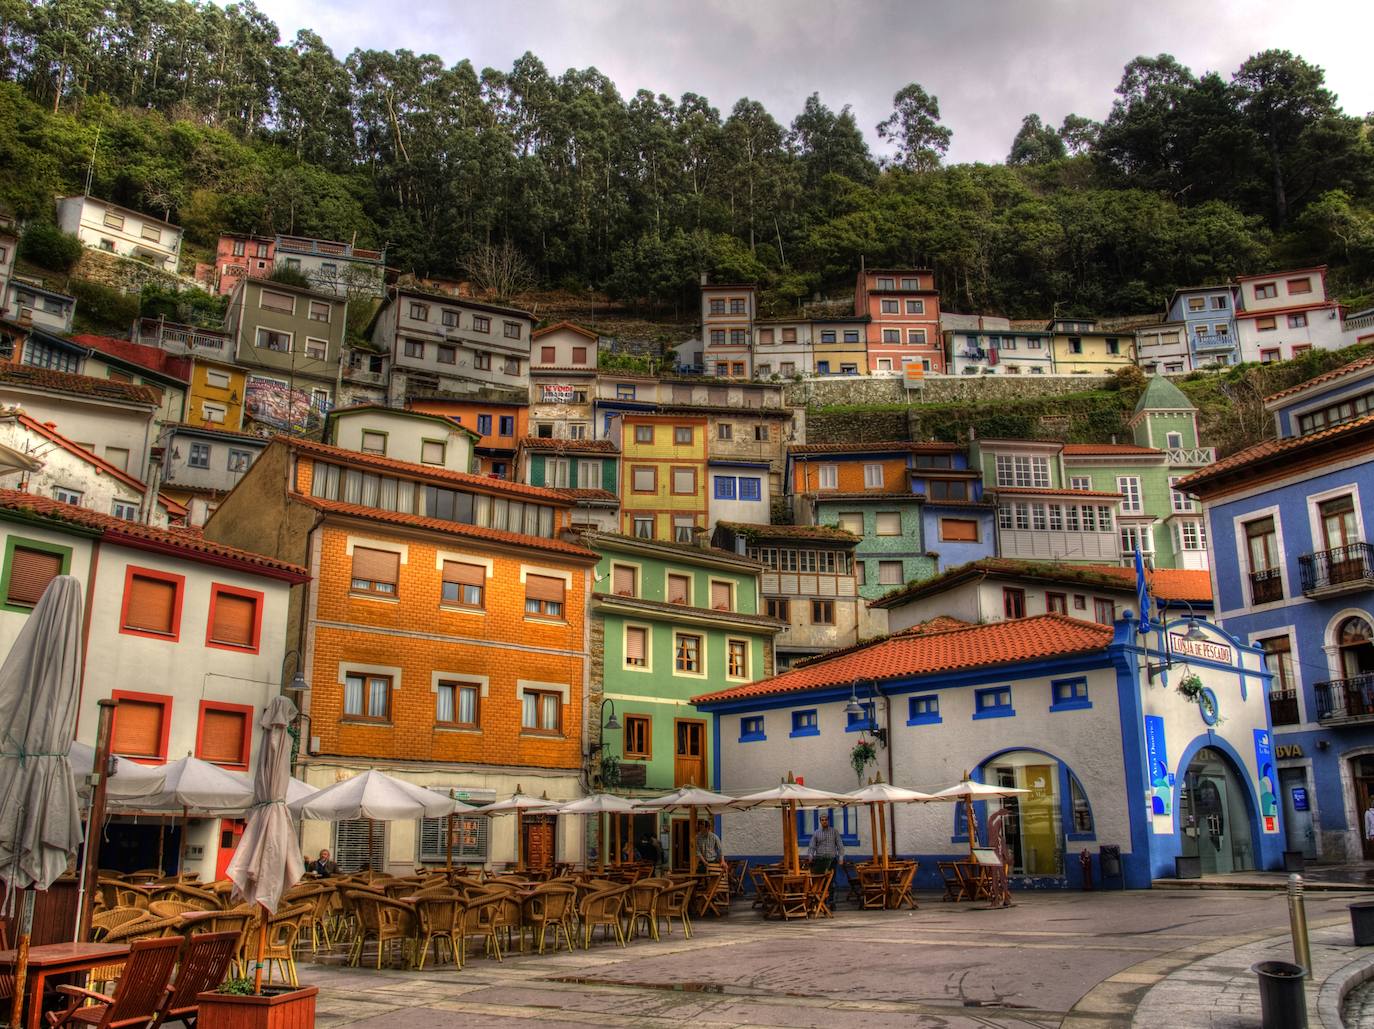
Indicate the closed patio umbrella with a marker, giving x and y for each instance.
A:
(518, 803)
(268, 860)
(877, 793)
(690, 799)
(40, 828)
(789, 796)
(601, 805)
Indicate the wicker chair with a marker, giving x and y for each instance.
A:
(137, 999)
(170, 908)
(381, 919)
(551, 905)
(440, 914)
(241, 920)
(641, 905)
(508, 913)
(479, 920)
(283, 930)
(602, 908)
(675, 901)
(114, 919)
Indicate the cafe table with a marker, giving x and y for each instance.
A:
(53, 959)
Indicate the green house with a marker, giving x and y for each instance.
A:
(891, 551)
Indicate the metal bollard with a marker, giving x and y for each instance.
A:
(1297, 919)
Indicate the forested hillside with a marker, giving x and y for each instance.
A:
(203, 115)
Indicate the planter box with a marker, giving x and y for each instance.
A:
(1187, 867)
(293, 1009)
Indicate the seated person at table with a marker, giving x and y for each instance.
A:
(709, 852)
(827, 849)
(322, 865)
(647, 849)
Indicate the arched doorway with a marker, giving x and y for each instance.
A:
(1033, 824)
(1214, 814)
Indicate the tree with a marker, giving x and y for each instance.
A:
(914, 126)
(499, 269)
(1079, 134)
(829, 144)
(1140, 140)
(1035, 143)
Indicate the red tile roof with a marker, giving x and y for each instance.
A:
(476, 532)
(188, 543)
(895, 446)
(1030, 491)
(417, 471)
(931, 653)
(1325, 377)
(1273, 449)
(580, 446)
(594, 495)
(940, 623)
(77, 385)
(1109, 450)
(155, 359)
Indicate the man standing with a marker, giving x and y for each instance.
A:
(1369, 822)
(827, 849)
(709, 852)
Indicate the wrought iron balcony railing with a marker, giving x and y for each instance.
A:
(1346, 700)
(1339, 570)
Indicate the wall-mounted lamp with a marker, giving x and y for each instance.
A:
(854, 709)
(1193, 634)
(611, 723)
(298, 681)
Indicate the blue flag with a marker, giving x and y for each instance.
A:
(1142, 592)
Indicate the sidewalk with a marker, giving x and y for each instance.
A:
(1316, 878)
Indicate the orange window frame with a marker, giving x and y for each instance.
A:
(245, 747)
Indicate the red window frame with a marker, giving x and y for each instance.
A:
(179, 581)
(245, 748)
(147, 698)
(258, 598)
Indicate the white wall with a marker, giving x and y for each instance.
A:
(84, 217)
(405, 434)
(61, 467)
(97, 427)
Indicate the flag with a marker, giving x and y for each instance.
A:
(1142, 592)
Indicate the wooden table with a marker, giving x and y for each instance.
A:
(59, 959)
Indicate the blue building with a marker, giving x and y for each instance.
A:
(1294, 574)
(1208, 315)
(957, 522)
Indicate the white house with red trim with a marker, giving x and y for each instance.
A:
(187, 636)
(1283, 314)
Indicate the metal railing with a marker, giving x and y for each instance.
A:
(1283, 707)
(1352, 564)
(326, 248)
(1346, 699)
(1266, 586)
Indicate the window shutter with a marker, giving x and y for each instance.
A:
(959, 530)
(138, 728)
(235, 618)
(624, 581)
(221, 737)
(888, 523)
(465, 574)
(30, 573)
(351, 839)
(543, 587)
(720, 596)
(634, 645)
(376, 565)
(852, 523)
(152, 605)
(677, 589)
(684, 480)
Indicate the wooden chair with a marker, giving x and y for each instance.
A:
(137, 999)
(131, 932)
(603, 909)
(714, 898)
(956, 887)
(551, 905)
(872, 887)
(818, 895)
(739, 876)
(381, 919)
(7, 979)
(791, 891)
(204, 963)
(853, 892)
(900, 891)
(675, 901)
(240, 921)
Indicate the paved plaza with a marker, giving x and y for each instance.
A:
(1079, 960)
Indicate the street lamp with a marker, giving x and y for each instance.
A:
(612, 723)
(854, 709)
(298, 681)
(1193, 634)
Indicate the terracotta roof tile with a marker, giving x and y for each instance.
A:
(1325, 377)
(477, 532)
(894, 446)
(192, 543)
(932, 653)
(571, 446)
(940, 623)
(155, 359)
(601, 495)
(1108, 450)
(762, 621)
(1272, 449)
(77, 385)
(564, 325)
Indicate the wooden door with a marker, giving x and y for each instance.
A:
(1363, 774)
(680, 844)
(230, 832)
(689, 754)
(538, 844)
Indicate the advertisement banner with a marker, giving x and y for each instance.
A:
(1268, 781)
(272, 402)
(1160, 780)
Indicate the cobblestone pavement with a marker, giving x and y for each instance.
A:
(1083, 961)
(1358, 1010)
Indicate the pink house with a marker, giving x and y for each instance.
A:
(904, 307)
(237, 257)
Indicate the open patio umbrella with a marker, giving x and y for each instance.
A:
(518, 803)
(375, 796)
(691, 799)
(267, 860)
(790, 795)
(129, 779)
(601, 805)
(877, 793)
(968, 791)
(40, 828)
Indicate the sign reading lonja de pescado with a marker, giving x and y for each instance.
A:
(1206, 649)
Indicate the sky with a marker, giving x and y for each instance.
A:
(989, 62)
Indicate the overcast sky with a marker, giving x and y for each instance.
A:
(988, 61)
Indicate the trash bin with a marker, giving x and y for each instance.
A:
(1187, 867)
(1283, 1002)
(1362, 922)
(1109, 860)
(1294, 861)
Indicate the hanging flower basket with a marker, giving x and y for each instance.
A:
(1190, 686)
(863, 755)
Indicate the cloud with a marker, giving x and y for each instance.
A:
(989, 61)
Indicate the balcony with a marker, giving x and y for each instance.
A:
(1266, 587)
(1283, 707)
(181, 338)
(1342, 701)
(326, 248)
(1192, 456)
(1329, 573)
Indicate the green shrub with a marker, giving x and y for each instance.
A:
(290, 277)
(188, 306)
(103, 309)
(47, 246)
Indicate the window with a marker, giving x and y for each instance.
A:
(1266, 355)
(431, 452)
(235, 618)
(1303, 285)
(722, 596)
(916, 307)
(547, 355)
(851, 335)
(737, 659)
(805, 723)
(725, 431)
(1075, 345)
(863, 719)
(873, 476)
(272, 301)
(216, 379)
(268, 339)
(29, 569)
(718, 306)
(1192, 536)
(679, 589)
(512, 366)
(375, 572)
(959, 530)
(541, 711)
(113, 220)
(684, 481)
(1266, 324)
(1104, 611)
(887, 523)
(414, 348)
(367, 697)
(994, 702)
(374, 442)
(152, 604)
(141, 724)
(484, 424)
(684, 528)
(643, 528)
(892, 335)
(890, 573)
(638, 738)
(751, 729)
(463, 585)
(1069, 694)
(923, 710)
(1266, 290)
(544, 596)
(1013, 602)
(1278, 654)
(829, 476)
(750, 488)
(1261, 540)
(822, 612)
(1113, 346)
(1023, 472)
(625, 580)
(506, 426)
(224, 734)
(124, 510)
(822, 367)
(419, 312)
(889, 307)
(239, 248)
(687, 653)
(682, 435)
(724, 487)
(778, 608)
(319, 311)
(636, 646)
(1057, 603)
(644, 478)
(1080, 482)
(199, 455)
(455, 704)
(852, 522)
(827, 335)
(1297, 321)
(481, 361)
(1129, 488)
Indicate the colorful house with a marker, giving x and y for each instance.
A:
(727, 329)
(238, 257)
(902, 306)
(203, 463)
(664, 476)
(1283, 314)
(1081, 348)
(987, 345)
(839, 346)
(1208, 314)
(783, 349)
(500, 425)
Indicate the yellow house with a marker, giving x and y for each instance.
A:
(663, 484)
(1081, 348)
(216, 399)
(838, 346)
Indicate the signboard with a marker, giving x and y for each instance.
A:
(914, 372)
(1268, 781)
(1288, 750)
(274, 403)
(633, 773)
(1300, 802)
(558, 393)
(1205, 649)
(1157, 758)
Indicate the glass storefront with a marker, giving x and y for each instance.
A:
(1213, 815)
(1034, 824)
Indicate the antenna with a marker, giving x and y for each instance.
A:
(90, 168)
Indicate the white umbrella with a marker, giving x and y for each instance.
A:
(518, 803)
(883, 793)
(130, 779)
(967, 791)
(12, 460)
(196, 785)
(601, 805)
(40, 829)
(690, 799)
(789, 796)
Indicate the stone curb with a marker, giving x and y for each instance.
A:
(1337, 985)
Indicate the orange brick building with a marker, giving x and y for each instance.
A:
(501, 424)
(444, 638)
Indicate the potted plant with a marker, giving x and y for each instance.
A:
(863, 754)
(235, 1006)
(1190, 686)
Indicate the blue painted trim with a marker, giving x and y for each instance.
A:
(1268, 848)
(715, 753)
(1137, 863)
(995, 712)
(753, 737)
(1071, 705)
(795, 733)
(925, 720)
(1211, 713)
(863, 726)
